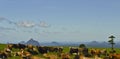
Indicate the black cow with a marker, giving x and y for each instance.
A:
(74, 50)
(3, 55)
(42, 50)
(32, 51)
(19, 46)
(52, 49)
(60, 50)
(85, 52)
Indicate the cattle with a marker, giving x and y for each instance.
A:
(52, 49)
(98, 52)
(60, 49)
(45, 49)
(95, 52)
(36, 57)
(20, 46)
(26, 55)
(103, 52)
(32, 50)
(19, 53)
(77, 56)
(42, 50)
(8, 51)
(3, 55)
(65, 56)
(9, 46)
(17, 46)
(114, 56)
(85, 52)
(55, 49)
(29, 52)
(50, 56)
(73, 50)
(23, 54)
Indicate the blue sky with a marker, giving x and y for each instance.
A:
(59, 20)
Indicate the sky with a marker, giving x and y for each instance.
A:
(59, 20)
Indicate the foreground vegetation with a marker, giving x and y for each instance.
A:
(65, 49)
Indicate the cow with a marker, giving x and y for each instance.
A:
(52, 49)
(55, 49)
(65, 56)
(73, 50)
(19, 53)
(95, 52)
(35, 57)
(103, 52)
(8, 52)
(114, 56)
(85, 52)
(76, 56)
(50, 56)
(32, 50)
(60, 49)
(23, 54)
(42, 49)
(26, 55)
(3, 55)
(17, 46)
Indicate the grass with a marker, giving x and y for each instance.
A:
(14, 57)
(2, 46)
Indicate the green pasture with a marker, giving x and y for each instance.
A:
(2, 46)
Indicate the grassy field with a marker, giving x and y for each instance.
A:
(2, 46)
(65, 49)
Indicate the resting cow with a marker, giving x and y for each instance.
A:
(73, 50)
(3, 55)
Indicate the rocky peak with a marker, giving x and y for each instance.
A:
(33, 42)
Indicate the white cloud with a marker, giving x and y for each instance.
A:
(26, 24)
(43, 24)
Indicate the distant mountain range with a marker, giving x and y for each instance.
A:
(88, 44)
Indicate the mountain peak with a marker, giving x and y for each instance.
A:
(33, 42)
(31, 39)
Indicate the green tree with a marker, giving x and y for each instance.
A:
(111, 41)
(82, 46)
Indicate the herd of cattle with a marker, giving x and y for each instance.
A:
(30, 52)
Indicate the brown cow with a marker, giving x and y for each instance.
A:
(95, 52)
(50, 56)
(32, 50)
(35, 57)
(26, 55)
(65, 56)
(114, 56)
(3, 55)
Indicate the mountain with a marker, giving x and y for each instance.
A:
(51, 44)
(98, 44)
(33, 42)
(88, 44)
